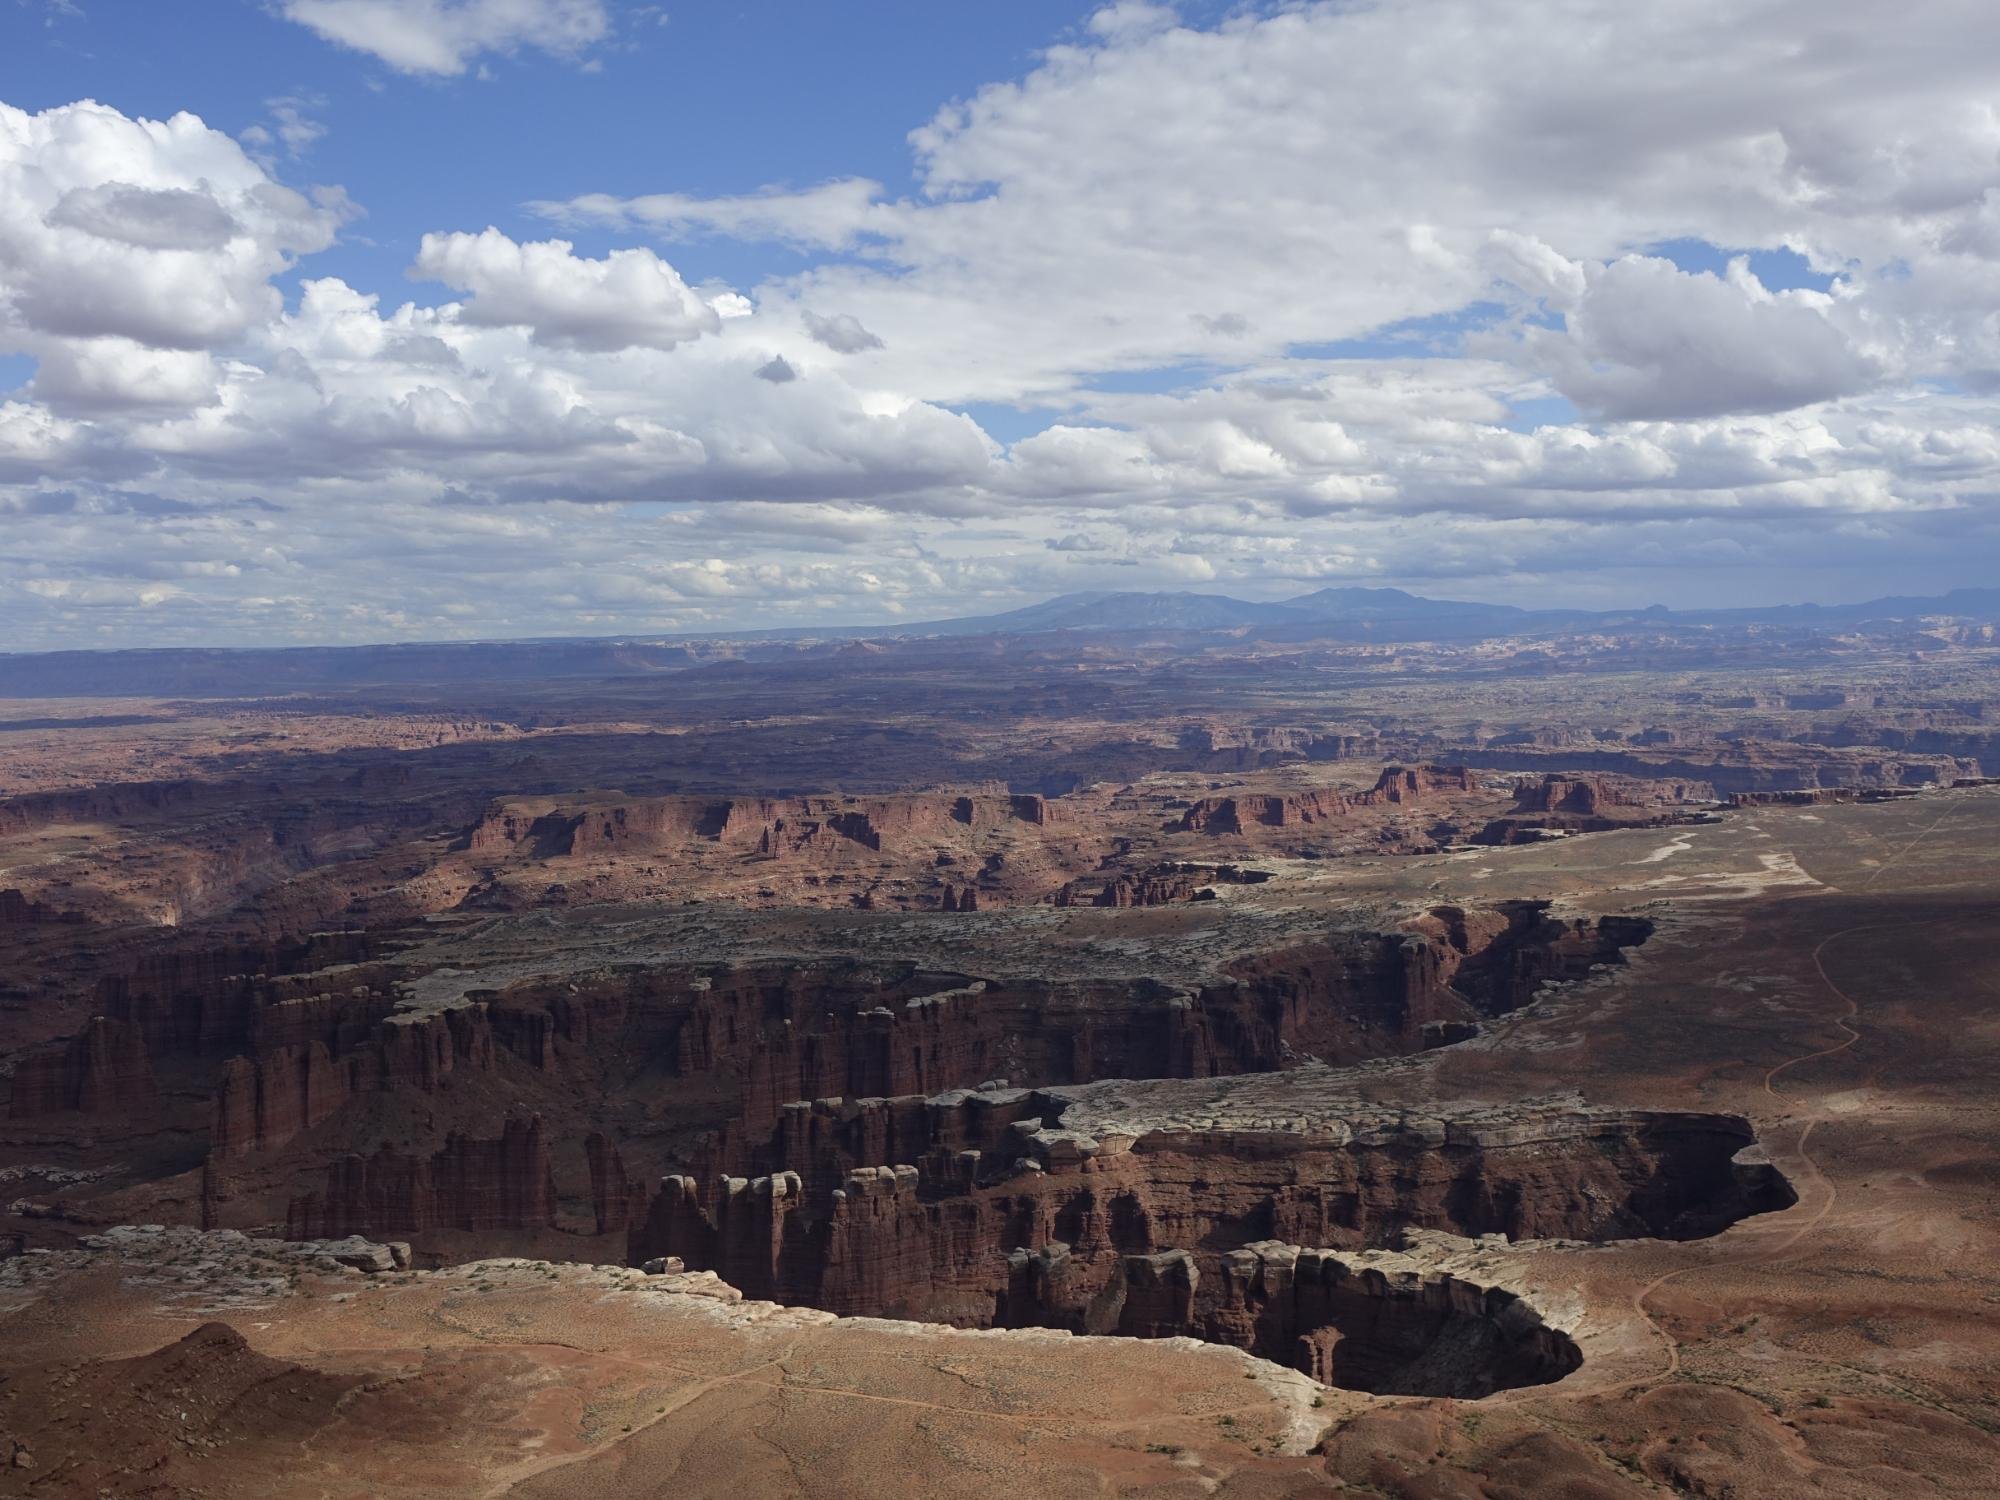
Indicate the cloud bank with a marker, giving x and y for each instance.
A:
(1679, 303)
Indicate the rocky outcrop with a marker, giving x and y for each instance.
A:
(1154, 888)
(206, 1000)
(262, 1103)
(772, 827)
(1826, 796)
(16, 910)
(617, 1199)
(1592, 795)
(1396, 786)
(102, 1070)
(1556, 805)
(1735, 766)
(1161, 885)
(1507, 952)
(472, 1184)
(1393, 1333)
(1007, 1215)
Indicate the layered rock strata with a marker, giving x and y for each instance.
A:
(1027, 1207)
(1397, 785)
(103, 1070)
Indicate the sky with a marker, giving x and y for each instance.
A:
(363, 320)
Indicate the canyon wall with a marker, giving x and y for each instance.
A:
(998, 1217)
(470, 1184)
(104, 1070)
(329, 1102)
(1397, 786)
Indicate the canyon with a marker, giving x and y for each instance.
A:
(1355, 1023)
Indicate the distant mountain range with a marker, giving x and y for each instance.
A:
(1392, 614)
(1206, 612)
(1327, 614)
(1202, 613)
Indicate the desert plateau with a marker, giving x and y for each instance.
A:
(1231, 1068)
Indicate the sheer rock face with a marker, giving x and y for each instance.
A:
(1559, 804)
(1401, 1332)
(345, 1102)
(1396, 785)
(1026, 1207)
(1746, 765)
(1392, 1330)
(344, 1089)
(265, 1102)
(105, 804)
(218, 1000)
(1153, 889)
(770, 1036)
(102, 1070)
(617, 1200)
(16, 910)
(504, 1184)
(1828, 796)
(1591, 795)
(771, 826)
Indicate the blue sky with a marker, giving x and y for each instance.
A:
(825, 312)
(704, 99)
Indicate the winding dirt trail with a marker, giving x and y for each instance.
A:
(1828, 1191)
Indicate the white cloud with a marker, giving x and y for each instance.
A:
(160, 232)
(628, 299)
(145, 218)
(444, 36)
(289, 126)
(111, 373)
(1130, 19)
(1151, 262)
(832, 216)
(1071, 222)
(1643, 339)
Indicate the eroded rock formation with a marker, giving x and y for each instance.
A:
(476, 1185)
(997, 1213)
(1397, 785)
(324, 1087)
(103, 1070)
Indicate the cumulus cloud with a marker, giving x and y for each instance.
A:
(113, 373)
(164, 233)
(1066, 223)
(1643, 339)
(629, 299)
(444, 36)
(1400, 314)
(145, 218)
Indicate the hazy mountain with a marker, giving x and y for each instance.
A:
(1325, 614)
